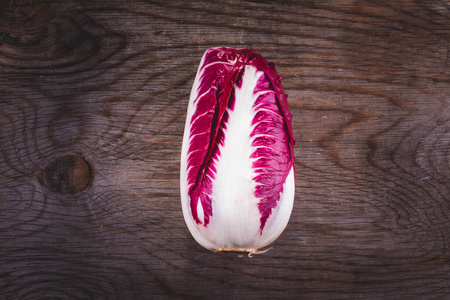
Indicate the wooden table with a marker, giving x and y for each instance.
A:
(93, 98)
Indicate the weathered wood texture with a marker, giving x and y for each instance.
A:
(105, 84)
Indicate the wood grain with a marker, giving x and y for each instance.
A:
(109, 81)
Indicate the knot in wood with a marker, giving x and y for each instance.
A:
(68, 174)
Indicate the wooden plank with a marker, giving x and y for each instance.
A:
(106, 83)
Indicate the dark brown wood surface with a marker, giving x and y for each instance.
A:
(93, 99)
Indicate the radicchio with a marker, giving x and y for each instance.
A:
(237, 162)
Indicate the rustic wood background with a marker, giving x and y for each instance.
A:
(93, 98)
